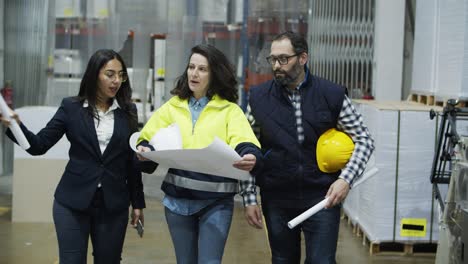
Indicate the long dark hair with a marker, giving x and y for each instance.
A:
(222, 82)
(88, 86)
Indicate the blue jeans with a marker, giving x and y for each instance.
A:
(320, 233)
(200, 238)
(107, 231)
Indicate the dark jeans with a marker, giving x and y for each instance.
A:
(320, 233)
(107, 231)
(201, 237)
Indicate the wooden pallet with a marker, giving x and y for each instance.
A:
(405, 248)
(427, 99)
(355, 227)
(390, 247)
(422, 98)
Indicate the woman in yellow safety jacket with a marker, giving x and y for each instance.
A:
(198, 206)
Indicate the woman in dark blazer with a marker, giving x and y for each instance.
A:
(102, 177)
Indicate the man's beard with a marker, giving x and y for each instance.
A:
(288, 77)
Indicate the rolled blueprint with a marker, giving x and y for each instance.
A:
(15, 128)
(302, 217)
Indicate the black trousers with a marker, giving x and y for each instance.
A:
(106, 229)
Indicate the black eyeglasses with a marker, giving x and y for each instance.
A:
(282, 59)
(112, 75)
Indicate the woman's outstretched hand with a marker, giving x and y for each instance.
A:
(13, 115)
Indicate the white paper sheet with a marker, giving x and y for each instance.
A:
(215, 159)
(167, 138)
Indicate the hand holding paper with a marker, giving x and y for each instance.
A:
(216, 159)
(166, 138)
(15, 128)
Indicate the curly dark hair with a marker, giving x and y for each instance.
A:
(88, 86)
(223, 81)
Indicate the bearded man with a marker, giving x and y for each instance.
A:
(292, 111)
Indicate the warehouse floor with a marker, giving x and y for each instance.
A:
(36, 242)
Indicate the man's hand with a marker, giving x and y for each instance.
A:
(253, 214)
(337, 192)
(247, 162)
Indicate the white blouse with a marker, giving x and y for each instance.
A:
(105, 126)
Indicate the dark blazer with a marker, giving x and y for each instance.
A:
(116, 169)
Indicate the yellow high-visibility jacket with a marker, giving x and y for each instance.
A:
(220, 118)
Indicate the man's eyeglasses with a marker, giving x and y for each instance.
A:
(282, 59)
(112, 75)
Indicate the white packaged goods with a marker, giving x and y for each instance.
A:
(400, 191)
(440, 65)
(60, 88)
(67, 61)
(424, 59)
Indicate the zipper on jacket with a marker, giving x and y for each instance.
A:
(191, 120)
(193, 125)
(199, 117)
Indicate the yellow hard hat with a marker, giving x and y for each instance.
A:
(334, 149)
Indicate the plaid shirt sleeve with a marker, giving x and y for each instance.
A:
(248, 191)
(351, 122)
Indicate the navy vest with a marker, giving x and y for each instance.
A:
(290, 169)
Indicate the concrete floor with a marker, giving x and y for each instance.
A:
(36, 242)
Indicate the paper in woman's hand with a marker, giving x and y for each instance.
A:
(216, 159)
(167, 138)
(15, 128)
